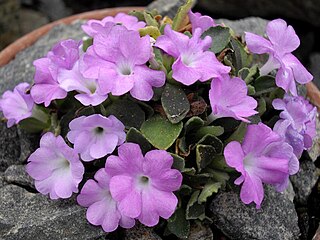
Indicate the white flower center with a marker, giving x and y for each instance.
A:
(188, 58)
(125, 68)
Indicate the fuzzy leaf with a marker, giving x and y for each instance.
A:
(194, 209)
(212, 130)
(160, 132)
(264, 84)
(262, 106)
(178, 162)
(238, 135)
(87, 43)
(175, 103)
(128, 112)
(193, 123)
(240, 57)
(178, 224)
(181, 15)
(151, 31)
(220, 37)
(208, 190)
(204, 155)
(135, 136)
(248, 74)
(212, 141)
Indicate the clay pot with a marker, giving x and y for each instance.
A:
(7, 54)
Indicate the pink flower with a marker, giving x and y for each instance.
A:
(282, 42)
(143, 185)
(228, 98)
(298, 122)
(199, 21)
(93, 27)
(46, 86)
(95, 136)
(193, 60)
(263, 157)
(102, 208)
(118, 59)
(16, 105)
(55, 167)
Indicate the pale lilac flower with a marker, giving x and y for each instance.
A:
(282, 42)
(118, 59)
(46, 86)
(193, 60)
(16, 105)
(198, 21)
(95, 136)
(143, 185)
(298, 122)
(228, 98)
(93, 27)
(263, 157)
(55, 167)
(102, 208)
(88, 89)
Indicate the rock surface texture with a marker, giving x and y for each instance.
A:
(277, 218)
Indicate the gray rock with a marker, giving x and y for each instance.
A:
(16, 174)
(21, 69)
(28, 144)
(200, 232)
(314, 68)
(277, 218)
(32, 216)
(9, 146)
(314, 151)
(251, 24)
(304, 181)
(166, 7)
(54, 9)
(141, 232)
(2, 181)
(307, 10)
(289, 192)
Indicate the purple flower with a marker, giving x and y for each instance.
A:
(193, 60)
(118, 59)
(199, 21)
(143, 185)
(228, 98)
(16, 105)
(56, 167)
(282, 41)
(263, 157)
(298, 122)
(46, 86)
(93, 27)
(102, 208)
(96, 136)
(88, 89)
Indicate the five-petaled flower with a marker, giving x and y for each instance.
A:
(118, 59)
(16, 105)
(102, 208)
(96, 136)
(282, 41)
(263, 157)
(93, 27)
(298, 122)
(228, 98)
(55, 167)
(193, 60)
(143, 185)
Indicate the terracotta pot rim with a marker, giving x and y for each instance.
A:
(7, 54)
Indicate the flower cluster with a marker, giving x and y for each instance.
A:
(148, 106)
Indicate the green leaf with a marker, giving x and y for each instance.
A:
(204, 155)
(194, 209)
(39, 120)
(193, 124)
(181, 15)
(264, 84)
(185, 190)
(178, 224)
(151, 31)
(238, 135)
(251, 90)
(135, 136)
(219, 163)
(211, 130)
(160, 132)
(178, 162)
(128, 112)
(189, 171)
(137, 14)
(221, 37)
(240, 57)
(149, 19)
(208, 190)
(175, 103)
(86, 44)
(219, 176)
(213, 141)
(262, 106)
(248, 74)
